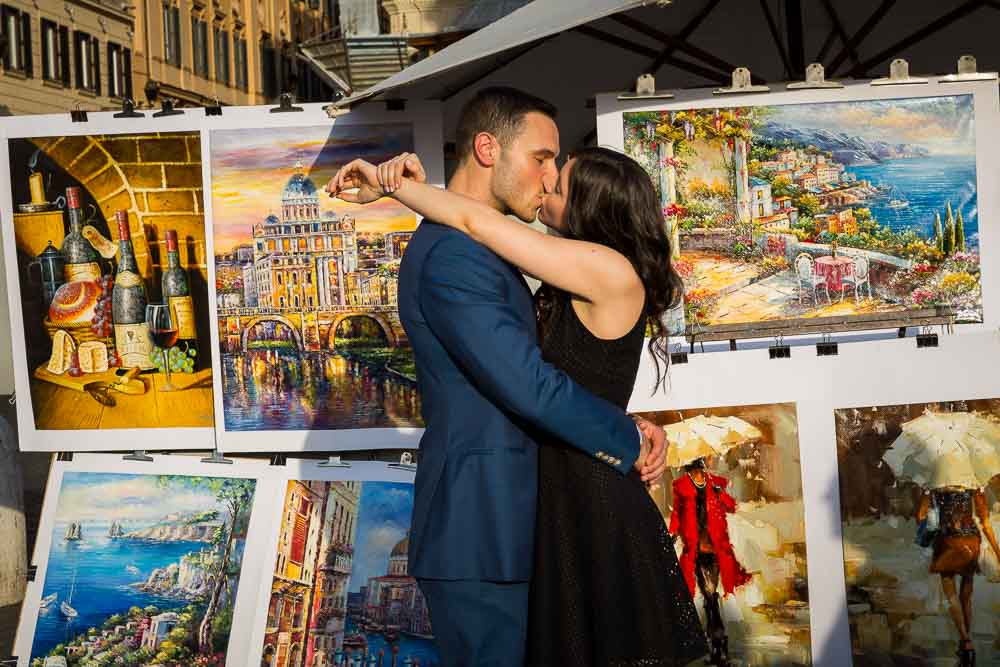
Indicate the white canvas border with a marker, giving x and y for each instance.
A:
(986, 100)
(55, 440)
(299, 470)
(425, 118)
(257, 532)
(877, 373)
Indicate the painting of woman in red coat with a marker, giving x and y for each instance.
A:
(701, 504)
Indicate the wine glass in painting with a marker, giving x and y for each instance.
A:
(163, 330)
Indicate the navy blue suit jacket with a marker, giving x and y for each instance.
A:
(485, 391)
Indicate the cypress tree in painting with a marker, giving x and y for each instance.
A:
(959, 232)
(938, 232)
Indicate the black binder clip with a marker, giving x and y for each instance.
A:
(285, 104)
(395, 105)
(214, 110)
(64, 456)
(78, 115)
(138, 455)
(9, 662)
(678, 356)
(168, 109)
(278, 459)
(128, 110)
(927, 339)
(826, 347)
(405, 462)
(31, 573)
(779, 350)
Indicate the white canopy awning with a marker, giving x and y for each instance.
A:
(536, 20)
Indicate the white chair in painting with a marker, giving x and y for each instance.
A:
(805, 271)
(862, 273)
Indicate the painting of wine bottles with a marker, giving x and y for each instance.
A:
(112, 281)
(141, 569)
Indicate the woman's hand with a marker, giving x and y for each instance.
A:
(356, 175)
(392, 173)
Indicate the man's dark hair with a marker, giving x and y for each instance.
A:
(499, 111)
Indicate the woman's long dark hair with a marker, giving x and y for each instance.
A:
(611, 201)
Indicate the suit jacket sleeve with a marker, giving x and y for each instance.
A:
(463, 296)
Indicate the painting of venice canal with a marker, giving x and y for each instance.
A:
(306, 285)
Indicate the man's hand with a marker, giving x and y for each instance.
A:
(404, 166)
(652, 459)
(356, 175)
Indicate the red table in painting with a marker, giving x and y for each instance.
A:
(833, 269)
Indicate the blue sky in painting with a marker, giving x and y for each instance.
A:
(943, 125)
(89, 496)
(383, 520)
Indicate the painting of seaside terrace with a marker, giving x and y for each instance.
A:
(843, 210)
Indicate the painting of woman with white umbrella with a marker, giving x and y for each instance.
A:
(732, 499)
(941, 465)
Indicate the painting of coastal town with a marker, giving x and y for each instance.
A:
(745, 565)
(840, 209)
(920, 514)
(341, 592)
(306, 285)
(142, 570)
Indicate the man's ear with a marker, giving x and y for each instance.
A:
(486, 149)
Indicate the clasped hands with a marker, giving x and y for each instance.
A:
(361, 182)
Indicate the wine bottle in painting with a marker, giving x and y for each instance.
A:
(128, 304)
(177, 293)
(82, 262)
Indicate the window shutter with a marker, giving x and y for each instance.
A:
(26, 44)
(78, 58)
(127, 72)
(95, 63)
(63, 55)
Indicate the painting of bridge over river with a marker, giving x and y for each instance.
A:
(838, 209)
(306, 285)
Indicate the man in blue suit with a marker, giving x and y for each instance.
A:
(486, 393)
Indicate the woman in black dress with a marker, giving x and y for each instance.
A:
(607, 590)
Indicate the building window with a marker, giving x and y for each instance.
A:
(55, 52)
(240, 63)
(87, 59)
(268, 67)
(16, 31)
(172, 35)
(119, 71)
(199, 46)
(221, 56)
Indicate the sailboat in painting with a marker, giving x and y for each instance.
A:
(73, 532)
(116, 530)
(48, 600)
(67, 610)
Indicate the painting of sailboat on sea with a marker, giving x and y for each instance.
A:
(142, 569)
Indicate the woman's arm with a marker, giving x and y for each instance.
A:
(588, 270)
(924, 507)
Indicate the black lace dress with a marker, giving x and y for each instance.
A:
(607, 590)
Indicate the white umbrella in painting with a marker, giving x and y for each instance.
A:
(947, 449)
(702, 436)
